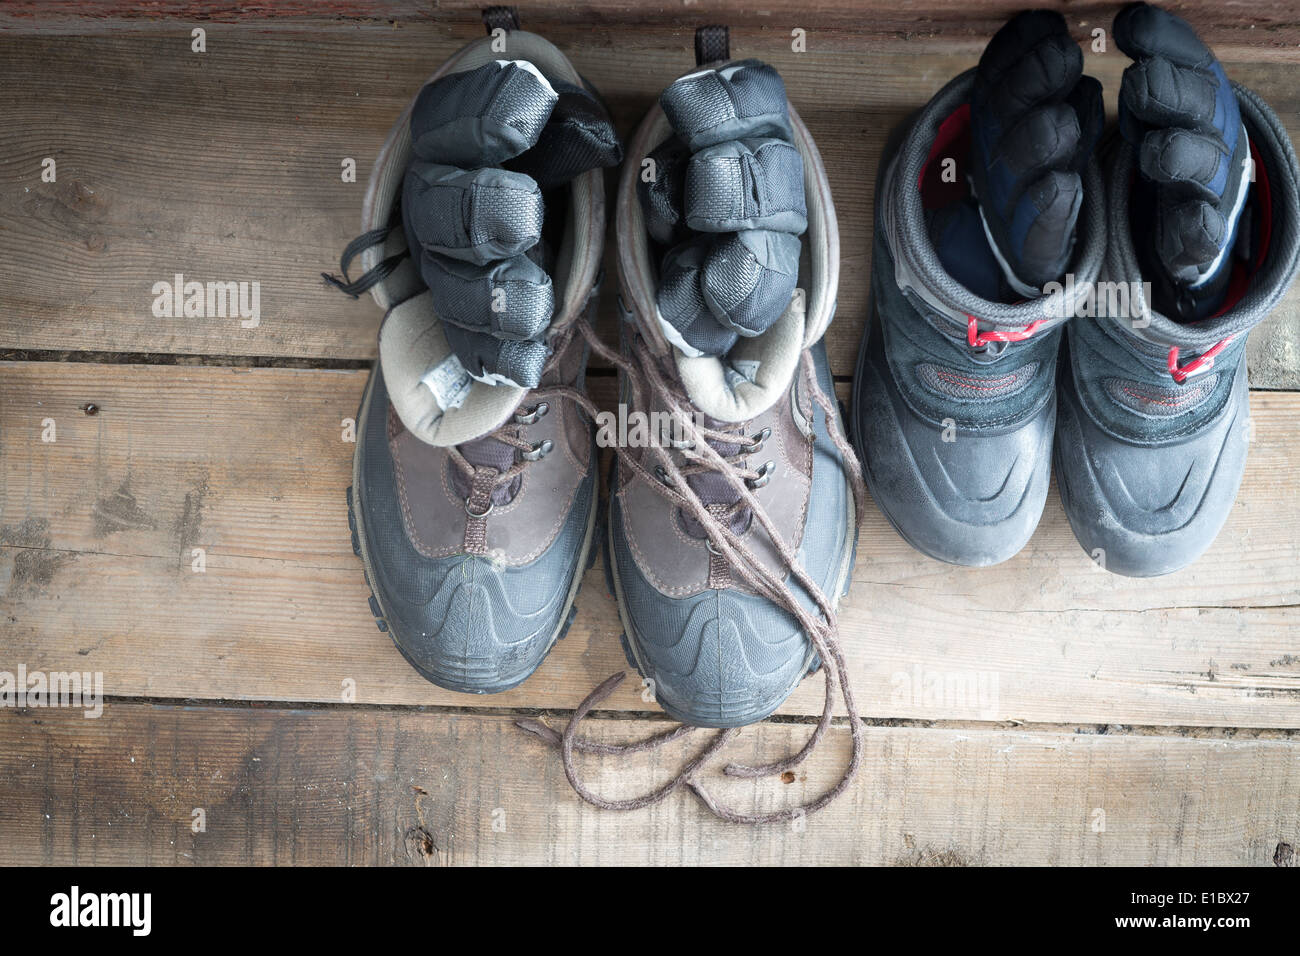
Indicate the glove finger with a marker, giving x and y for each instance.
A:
(510, 299)
(1187, 163)
(579, 135)
(736, 101)
(481, 117)
(1157, 92)
(1143, 31)
(1046, 217)
(1086, 101)
(1188, 236)
(497, 361)
(746, 184)
(1022, 32)
(663, 194)
(543, 254)
(1042, 140)
(749, 278)
(473, 215)
(1030, 61)
(684, 314)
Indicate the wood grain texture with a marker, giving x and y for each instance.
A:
(226, 166)
(352, 786)
(1271, 26)
(97, 531)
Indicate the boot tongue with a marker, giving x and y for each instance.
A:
(713, 489)
(486, 452)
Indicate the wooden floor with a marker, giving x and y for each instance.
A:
(1042, 712)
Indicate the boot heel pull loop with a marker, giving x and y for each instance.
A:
(500, 18)
(712, 44)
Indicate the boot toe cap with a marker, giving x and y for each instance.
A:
(722, 658)
(481, 630)
(1145, 510)
(962, 496)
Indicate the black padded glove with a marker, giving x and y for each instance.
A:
(1035, 120)
(727, 201)
(1179, 111)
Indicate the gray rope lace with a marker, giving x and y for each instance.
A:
(645, 376)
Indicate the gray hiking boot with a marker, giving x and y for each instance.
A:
(1152, 432)
(473, 503)
(954, 398)
(725, 305)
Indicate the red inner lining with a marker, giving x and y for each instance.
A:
(1242, 271)
(951, 142)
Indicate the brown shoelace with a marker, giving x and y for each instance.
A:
(644, 376)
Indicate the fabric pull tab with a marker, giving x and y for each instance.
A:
(477, 508)
(502, 18)
(712, 44)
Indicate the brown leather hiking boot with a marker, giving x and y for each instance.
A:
(760, 460)
(473, 503)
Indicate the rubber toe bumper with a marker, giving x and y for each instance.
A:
(720, 658)
(973, 500)
(1144, 510)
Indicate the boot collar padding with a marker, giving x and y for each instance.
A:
(410, 344)
(916, 264)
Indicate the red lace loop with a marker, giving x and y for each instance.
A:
(975, 338)
(1180, 373)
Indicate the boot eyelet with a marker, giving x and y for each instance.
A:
(534, 413)
(756, 442)
(764, 476)
(539, 451)
(479, 514)
(663, 476)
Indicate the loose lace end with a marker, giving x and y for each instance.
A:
(644, 376)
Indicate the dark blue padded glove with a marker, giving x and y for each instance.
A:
(1035, 121)
(1178, 110)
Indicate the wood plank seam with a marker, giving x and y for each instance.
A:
(560, 716)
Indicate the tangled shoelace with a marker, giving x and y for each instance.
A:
(727, 435)
(644, 375)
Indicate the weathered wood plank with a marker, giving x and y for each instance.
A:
(1272, 26)
(97, 532)
(354, 786)
(226, 166)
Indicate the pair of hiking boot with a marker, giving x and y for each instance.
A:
(1145, 267)
(730, 525)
